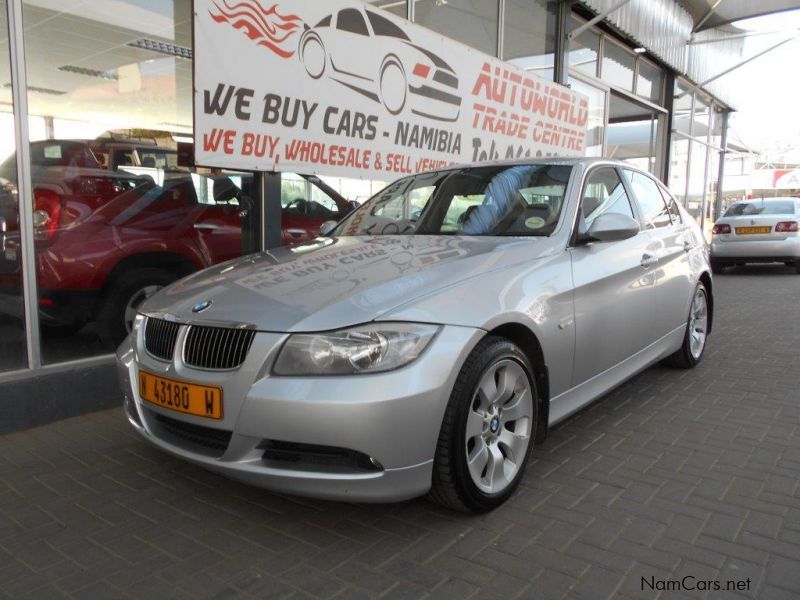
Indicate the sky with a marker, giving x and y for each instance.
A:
(767, 93)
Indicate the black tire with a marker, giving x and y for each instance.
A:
(119, 291)
(797, 267)
(683, 358)
(452, 485)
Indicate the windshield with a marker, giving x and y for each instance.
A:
(523, 200)
(760, 208)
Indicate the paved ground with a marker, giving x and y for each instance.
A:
(674, 474)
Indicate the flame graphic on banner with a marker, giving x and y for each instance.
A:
(265, 25)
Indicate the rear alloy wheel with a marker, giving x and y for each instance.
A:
(488, 429)
(696, 336)
(123, 298)
(394, 86)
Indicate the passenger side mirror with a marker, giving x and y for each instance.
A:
(327, 227)
(610, 227)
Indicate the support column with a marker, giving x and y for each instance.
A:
(721, 173)
(271, 210)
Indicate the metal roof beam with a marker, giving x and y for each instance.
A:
(705, 18)
(579, 30)
(744, 62)
(738, 36)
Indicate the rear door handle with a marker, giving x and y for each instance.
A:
(648, 260)
(296, 232)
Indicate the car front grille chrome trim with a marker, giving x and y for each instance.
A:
(216, 348)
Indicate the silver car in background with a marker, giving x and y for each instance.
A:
(757, 231)
(430, 340)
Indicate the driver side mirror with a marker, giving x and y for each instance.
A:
(327, 227)
(610, 227)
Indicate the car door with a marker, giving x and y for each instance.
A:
(673, 243)
(305, 206)
(614, 283)
(218, 221)
(350, 47)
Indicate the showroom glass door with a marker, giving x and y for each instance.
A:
(598, 109)
(13, 350)
(118, 212)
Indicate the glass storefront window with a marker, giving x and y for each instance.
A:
(597, 115)
(117, 215)
(529, 35)
(618, 65)
(650, 82)
(12, 321)
(398, 7)
(696, 190)
(679, 162)
(472, 22)
(584, 50)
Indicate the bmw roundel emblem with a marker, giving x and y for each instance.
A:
(201, 306)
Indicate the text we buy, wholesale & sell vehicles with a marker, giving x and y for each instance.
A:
(400, 355)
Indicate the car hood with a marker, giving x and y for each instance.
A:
(331, 283)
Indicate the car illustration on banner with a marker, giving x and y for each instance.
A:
(404, 76)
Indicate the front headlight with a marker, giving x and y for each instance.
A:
(371, 348)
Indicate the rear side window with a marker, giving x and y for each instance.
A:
(651, 202)
(672, 207)
(604, 193)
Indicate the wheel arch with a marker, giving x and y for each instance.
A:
(526, 339)
(169, 261)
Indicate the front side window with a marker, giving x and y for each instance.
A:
(651, 203)
(524, 200)
(383, 26)
(604, 194)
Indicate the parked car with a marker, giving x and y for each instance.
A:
(757, 231)
(405, 76)
(403, 356)
(139, 156)
(97, 261)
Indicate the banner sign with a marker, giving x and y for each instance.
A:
(339, 87)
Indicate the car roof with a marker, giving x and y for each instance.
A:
(553, 160)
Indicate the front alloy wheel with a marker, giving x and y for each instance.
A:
(488, 429)
(498, 428)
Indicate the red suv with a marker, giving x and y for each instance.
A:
(100, 254)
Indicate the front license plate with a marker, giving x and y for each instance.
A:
(752, 230)
(181, 396)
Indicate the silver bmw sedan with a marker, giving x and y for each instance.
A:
(428, 341)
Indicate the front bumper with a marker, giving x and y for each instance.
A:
(393, 418)
(784, 250)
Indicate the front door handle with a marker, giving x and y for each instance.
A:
(687, 246)
(648, 260)
(296, 233)
(206, 226)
